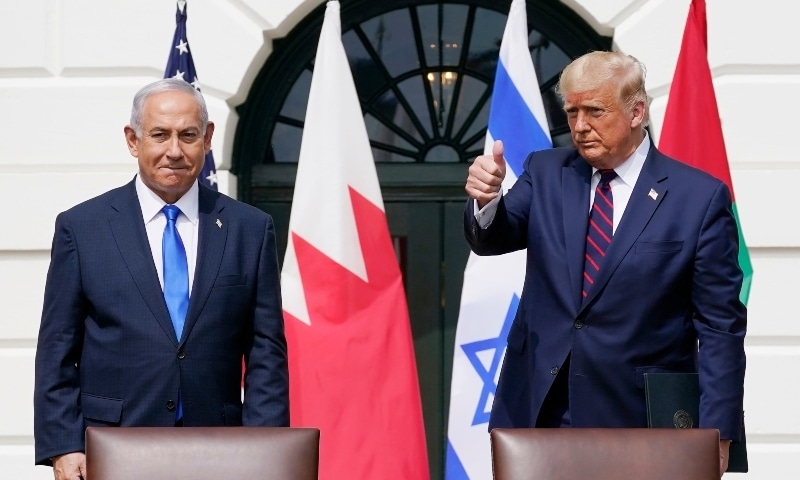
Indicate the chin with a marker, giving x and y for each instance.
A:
(174, 180)
(174, 185)
(588, 155)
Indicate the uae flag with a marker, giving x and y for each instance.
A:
(351, 356)
(692, 130)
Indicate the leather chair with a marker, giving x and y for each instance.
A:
(605, 454)
(202, 453)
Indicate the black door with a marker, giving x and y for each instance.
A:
(432, 255)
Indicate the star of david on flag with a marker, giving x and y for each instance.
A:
(491, 349)
(493, 285)
(181, 65)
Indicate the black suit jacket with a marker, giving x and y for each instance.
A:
(107, 352)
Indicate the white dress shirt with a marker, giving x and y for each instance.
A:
(155, 221)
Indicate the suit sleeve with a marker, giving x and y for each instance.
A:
(720, 319)
(58, 422)
(266, 398)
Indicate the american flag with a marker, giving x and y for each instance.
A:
(181, 65)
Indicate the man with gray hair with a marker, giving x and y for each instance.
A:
(156, 291)
(631, 261)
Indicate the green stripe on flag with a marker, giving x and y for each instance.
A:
(744, 261)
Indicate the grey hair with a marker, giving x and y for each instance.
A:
(594, 69)
(161, 86)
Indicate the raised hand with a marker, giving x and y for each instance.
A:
(486, 175)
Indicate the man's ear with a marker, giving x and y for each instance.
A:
(132, 141)
(637, 114)
(207, 136)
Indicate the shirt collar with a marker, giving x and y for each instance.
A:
(628, 171)
(152, 204)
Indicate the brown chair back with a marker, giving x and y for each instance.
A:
(605, 454)
(202, 453)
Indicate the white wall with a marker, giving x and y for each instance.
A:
(68, 70)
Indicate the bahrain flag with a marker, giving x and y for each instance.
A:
(351, 357)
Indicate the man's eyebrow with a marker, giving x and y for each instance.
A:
(593, 104)
(165, 129)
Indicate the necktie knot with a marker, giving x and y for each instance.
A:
(171, 212)
(606, 175)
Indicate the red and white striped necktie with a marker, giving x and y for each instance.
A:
(601, 230)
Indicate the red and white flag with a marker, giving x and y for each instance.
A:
(351, 356)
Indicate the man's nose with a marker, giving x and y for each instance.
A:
(581, 123)
(174, 147)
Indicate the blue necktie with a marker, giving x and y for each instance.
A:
(601, 228)
(176, 278)
(176, 271)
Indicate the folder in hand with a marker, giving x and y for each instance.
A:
(673, 401)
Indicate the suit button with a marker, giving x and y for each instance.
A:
(578, 325)
(170, 405)
(554, 371)
(181, 354)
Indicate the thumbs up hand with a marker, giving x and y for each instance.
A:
(486, 175)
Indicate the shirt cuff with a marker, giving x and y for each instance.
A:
(485, 215)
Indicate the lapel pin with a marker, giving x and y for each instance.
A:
(653, 194)
(219, 224)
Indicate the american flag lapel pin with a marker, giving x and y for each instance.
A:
(653, 194)
(219, 224)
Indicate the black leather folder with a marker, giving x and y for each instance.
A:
(673, 401)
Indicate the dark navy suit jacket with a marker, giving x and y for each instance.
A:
(670, 279)
(107, 352)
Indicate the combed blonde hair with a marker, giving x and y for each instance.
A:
(594, 69)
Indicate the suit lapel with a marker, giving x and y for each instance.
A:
(575, 180)
(638, 212)
(212, 236)
(127, 227)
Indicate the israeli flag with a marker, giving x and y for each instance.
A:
(493, 285)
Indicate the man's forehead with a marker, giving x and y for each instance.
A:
(172, 120)
(598, 96)
(171, 102)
